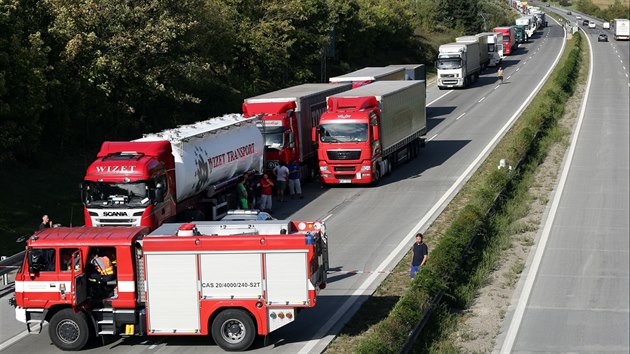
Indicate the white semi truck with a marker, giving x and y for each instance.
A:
(622, 29)
(457, 65)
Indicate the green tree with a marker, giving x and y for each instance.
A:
(23, 68)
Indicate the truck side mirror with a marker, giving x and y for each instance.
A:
(375, 132)
(159, 193)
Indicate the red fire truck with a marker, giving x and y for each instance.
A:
(231, 279)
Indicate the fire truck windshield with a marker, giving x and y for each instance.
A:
(343, 132)
(107, 194)
(449, 63)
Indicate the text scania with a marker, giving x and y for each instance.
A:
(114, 213)
(121, 169)
(232, 155)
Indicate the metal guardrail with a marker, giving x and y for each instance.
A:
(8, 264)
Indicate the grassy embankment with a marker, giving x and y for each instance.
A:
(455, 269)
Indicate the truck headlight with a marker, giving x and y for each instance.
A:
(323, 168)
(366, 168)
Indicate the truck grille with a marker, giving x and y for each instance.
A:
(344, 169)
(115, 222)
(447, 75)
(344, 154)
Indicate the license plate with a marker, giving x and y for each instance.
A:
(345, 181)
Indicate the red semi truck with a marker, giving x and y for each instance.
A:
(232, 280)
(509, 39)
(368, 130)
(288, 116)
(186, 173)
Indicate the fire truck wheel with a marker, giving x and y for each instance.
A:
(233, 330)
(69, 330)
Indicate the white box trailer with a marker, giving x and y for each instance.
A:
(495, 47)
(412, 71)
(622, 29)
(483, 47)
(370, 74)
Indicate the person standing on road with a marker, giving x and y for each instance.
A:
(420, 255)
(242, 193)
(500, 74)
(295, 187)
(282, 174)
(266, 194)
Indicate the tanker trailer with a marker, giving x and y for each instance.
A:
(181, 174)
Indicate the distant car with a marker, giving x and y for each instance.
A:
(602, 38)
(247, 215)
(591, 24)
(606, 25)
(569, 13)
(578, 17)
(585, 22)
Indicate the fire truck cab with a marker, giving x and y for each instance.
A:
(233, 280)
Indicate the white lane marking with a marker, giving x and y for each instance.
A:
(461, 115)
(517, 69)
(327, 217)
(433, 137)
(508, 77)
(322, 333)
(624, 68)
(435, 100)
(497, 87)
(157, 343)
(7, 343)
(508, 343)
(483, 98)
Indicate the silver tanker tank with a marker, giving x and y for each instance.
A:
(209, 152)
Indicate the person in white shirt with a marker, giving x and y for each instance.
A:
(282, 174)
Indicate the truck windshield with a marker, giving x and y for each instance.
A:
(343, 132)
(274, 137)
(449, 63)
(108, 194)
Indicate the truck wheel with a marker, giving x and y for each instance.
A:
(233, 330)
(69, 330)
(388, 168)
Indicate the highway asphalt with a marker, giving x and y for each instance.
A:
(574, 294)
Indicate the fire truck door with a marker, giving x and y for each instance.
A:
(79, 280)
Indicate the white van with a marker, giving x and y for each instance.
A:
(606, 25)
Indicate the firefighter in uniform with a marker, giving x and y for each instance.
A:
(104, 272)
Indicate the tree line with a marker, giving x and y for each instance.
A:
(75, 73)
